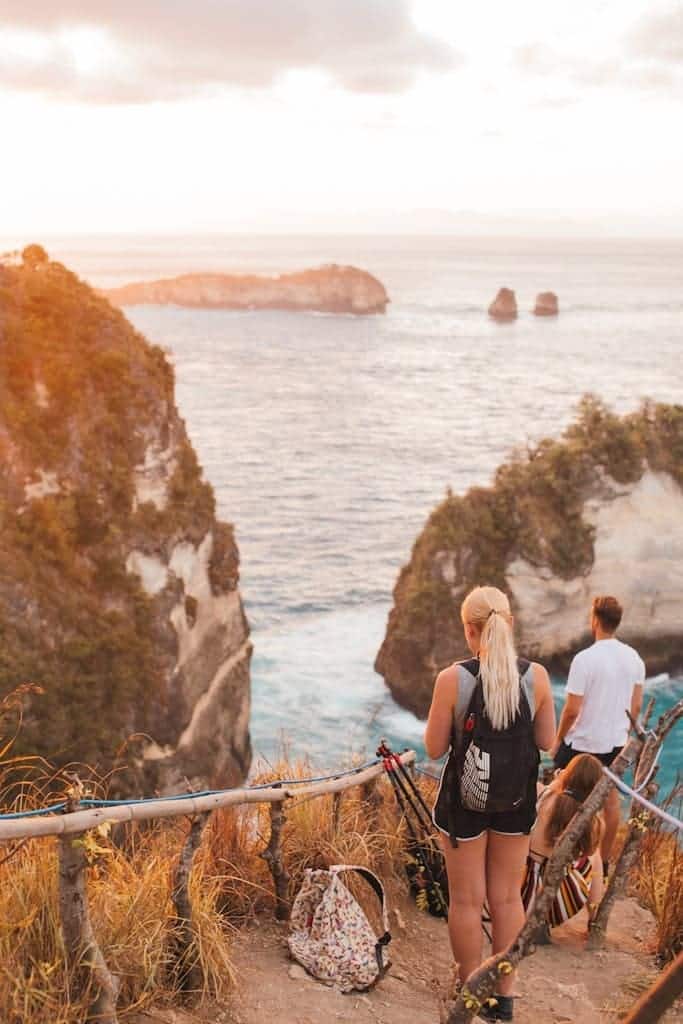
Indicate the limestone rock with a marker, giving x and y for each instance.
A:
(504, 306)
(546, 304)
(119, 591)
(329, 289)
(598, 511)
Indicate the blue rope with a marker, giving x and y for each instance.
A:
(53, 809)
(95, 802)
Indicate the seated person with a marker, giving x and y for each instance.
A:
(556, 806)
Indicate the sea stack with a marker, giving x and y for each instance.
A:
(504, 306)
(597, 511)
(546, 304)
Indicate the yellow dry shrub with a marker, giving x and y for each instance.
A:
(658, 883)
(357, 826)
(130, 882)
(132, 914)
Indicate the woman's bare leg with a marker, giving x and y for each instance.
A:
(505, 862)
(466, 866)
(612, 818)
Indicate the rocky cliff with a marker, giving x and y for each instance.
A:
(598, 511)
(330, 289)
(118, 587)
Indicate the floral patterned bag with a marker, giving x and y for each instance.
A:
(330, 934)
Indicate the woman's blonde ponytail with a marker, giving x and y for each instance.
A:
(489, 609)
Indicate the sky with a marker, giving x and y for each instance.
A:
(168, 116)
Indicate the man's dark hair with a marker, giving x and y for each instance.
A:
(608, 612)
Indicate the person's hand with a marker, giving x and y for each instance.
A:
(554, 750)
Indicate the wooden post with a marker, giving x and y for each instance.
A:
(336, 810)
(662, 994)
(187, 961)
(83, 954)
(273, 857)
(638, 823)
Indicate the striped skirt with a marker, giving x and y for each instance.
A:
(573, 891)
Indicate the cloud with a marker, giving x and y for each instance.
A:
(164, 49)
(658, 37)
(648, 58)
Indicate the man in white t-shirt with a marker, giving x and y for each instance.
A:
(605, 680)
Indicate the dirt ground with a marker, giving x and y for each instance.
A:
(560, 984)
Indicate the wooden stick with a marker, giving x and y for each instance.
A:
(79, 821)
(187, 961)
(659, 997)
(273, 857)
(648, 712)
(83, 954)
(638, 823)
(336, 810)
(637, 827)
(482, 983)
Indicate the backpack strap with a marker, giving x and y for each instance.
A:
(378, 888)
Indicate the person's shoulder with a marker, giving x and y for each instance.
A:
(631, 653)
(467, 667)
(448, 674)
(584, 656)
(627, 647)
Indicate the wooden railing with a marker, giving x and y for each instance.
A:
(82, 950)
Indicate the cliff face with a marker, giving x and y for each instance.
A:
(598, 511)
(331, 289)
(118, 587)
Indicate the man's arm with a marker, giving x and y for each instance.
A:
(637, 700)
(570, 712)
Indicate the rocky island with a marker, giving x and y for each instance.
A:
(504, 306)
(546, 304)
(119, 596)
(329, 289)
(597, 511)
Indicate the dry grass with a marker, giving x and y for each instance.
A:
(129, 889)
(318, 832)
(658, 884)
(133, 919)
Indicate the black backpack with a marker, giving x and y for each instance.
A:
(495, 766)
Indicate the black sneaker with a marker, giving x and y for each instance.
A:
(501, 1011)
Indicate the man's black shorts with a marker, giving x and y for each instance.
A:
(566, 753)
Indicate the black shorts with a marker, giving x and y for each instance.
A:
(465, 824)
(566, 753)
(472, 824)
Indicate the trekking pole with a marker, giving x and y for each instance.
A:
(409, 781)
(402, 798)
(390, 759)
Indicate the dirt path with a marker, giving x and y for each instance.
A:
(560, 984)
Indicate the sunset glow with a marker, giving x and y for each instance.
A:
(371, 115)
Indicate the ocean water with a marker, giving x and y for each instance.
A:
(328, 439)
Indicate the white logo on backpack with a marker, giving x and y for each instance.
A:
(330, 934)
(474, 786)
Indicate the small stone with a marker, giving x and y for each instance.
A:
(297, 973)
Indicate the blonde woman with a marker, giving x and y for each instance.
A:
(494, 711)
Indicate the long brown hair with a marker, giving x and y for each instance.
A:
(576, 783)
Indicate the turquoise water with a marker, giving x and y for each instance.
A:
(328, 439)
